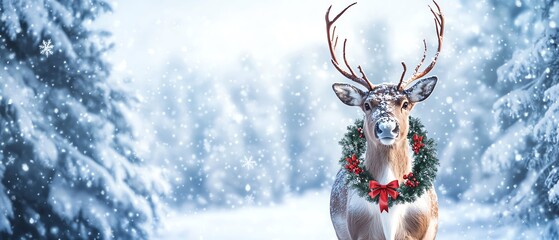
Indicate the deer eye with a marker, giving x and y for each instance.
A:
(405, 105)
(367, 106)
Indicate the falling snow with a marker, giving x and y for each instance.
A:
(249, 200)
(248, 163)
(46, 48)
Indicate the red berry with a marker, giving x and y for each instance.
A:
(405, 176)
(410, 175)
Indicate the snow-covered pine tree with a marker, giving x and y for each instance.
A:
(524, 153)
(67, 167)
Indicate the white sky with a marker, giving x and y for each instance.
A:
(212, 35)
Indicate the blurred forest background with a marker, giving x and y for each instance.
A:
(149, 107)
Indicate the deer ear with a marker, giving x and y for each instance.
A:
(349, 94)
(422, 89)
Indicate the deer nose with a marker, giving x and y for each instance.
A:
(386, 128)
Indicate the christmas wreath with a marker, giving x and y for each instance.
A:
(417, 182)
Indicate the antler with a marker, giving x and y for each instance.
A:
(439, 27)
(333, 42)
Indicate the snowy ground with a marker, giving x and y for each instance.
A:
(307, 217)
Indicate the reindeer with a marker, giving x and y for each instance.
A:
(386, 107)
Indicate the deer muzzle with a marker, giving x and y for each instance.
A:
(387, 130)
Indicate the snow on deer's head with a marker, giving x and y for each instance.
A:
(386, 106)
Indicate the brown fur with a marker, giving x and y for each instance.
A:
(416, 223)
(379, 155)
(434, 203)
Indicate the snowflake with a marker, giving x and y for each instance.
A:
(248, 163)
(11, 160)
(249, 199)
(46, 48)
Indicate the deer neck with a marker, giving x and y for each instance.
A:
(386, 163)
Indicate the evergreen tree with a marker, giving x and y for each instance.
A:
(522, 162)
(67, 166)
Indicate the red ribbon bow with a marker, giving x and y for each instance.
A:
(384, 191)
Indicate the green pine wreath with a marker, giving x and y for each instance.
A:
(424, 166)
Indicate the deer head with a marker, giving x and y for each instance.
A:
(386, 106)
